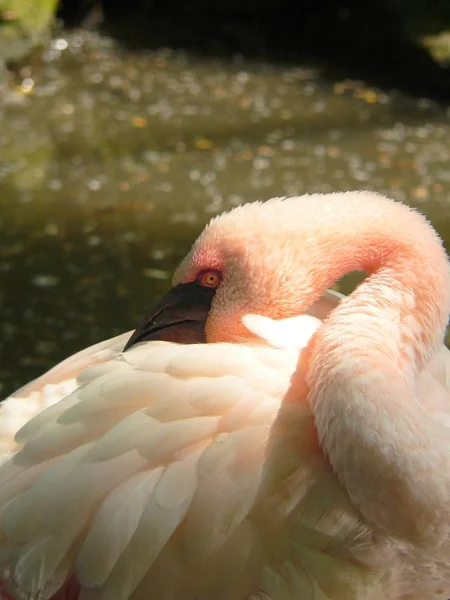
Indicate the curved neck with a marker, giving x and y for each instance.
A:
(388, 453)
(403, 306)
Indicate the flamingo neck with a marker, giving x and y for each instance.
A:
(401, 310)
(388, 453)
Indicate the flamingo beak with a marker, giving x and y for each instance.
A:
(180, 316)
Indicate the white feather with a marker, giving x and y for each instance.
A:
(229, 475)
(163, 513)
(285, 333)
(114, 526)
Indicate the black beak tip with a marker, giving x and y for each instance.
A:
(179, 317)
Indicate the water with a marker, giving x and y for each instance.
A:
(112, 162)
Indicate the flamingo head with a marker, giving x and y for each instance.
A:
(246, 261)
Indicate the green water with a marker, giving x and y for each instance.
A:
(112, 162)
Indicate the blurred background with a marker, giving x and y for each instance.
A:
(124, 126)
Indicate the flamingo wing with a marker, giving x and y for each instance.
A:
(43, 392)
(153, 479)
(175, 471)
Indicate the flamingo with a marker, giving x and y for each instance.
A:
(257, 437)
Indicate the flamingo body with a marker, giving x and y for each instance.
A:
(274, 462)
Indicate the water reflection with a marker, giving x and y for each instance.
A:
(113, 161)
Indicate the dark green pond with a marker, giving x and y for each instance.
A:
(112, 162)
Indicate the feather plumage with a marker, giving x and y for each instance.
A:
(156, 461)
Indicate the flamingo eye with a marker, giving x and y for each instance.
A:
(209, 279)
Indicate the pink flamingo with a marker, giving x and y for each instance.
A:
(293, 456)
